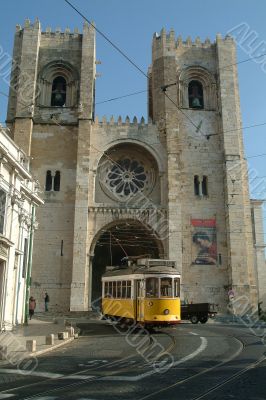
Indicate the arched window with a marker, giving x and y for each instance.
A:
(195, 95)
(205, 186)
(48, 182)
(57, 181)
(58, 92)
(196, 185)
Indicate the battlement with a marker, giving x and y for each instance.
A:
(120, 122)
(168, 39)
(57, 31)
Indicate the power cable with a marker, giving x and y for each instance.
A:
(107, 39)
(121, 97)
(242, 61)
(258, 155)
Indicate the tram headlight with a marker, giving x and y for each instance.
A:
(166, 311)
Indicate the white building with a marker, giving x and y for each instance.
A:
(18, 199)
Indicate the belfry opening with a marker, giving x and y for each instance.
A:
(115, 242)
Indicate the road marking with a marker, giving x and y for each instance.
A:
(136, 378)
(193, 333)
(33, 373)
(82, 377)
(6, 396)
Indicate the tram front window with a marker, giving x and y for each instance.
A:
(152, 286)
(177, 287)
(166, 287)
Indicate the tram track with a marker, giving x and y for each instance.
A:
(164, 390)
(231, 379)
(80, 372)
(205, 371)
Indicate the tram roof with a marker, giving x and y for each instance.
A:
(143, 266)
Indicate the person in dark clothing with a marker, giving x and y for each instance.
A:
(46, 301)
(32, 306)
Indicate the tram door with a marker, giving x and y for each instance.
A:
(140, 300)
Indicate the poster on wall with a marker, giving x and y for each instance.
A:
(204, 246)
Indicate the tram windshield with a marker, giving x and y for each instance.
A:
(152, 287)
(163, 287)
(166, 287)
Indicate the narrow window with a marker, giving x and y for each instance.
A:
(57, 181)
(195, 95)
(118, 290)
(106, 289)
(58, 92)
(177, 287)
(2, 210)
(196, 185)
(114, 290)
(48, 182)
(111, 289)
(124, 289)
(128, 296)
(205, 186)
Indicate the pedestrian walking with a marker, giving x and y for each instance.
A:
(32, 306)
(46, 301)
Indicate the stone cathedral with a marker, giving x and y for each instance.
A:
(173, 185)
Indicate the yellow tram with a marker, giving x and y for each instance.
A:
(145, 290)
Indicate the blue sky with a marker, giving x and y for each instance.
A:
(131, 24)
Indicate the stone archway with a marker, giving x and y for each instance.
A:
(118, 240)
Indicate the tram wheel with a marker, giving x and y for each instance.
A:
(194, 319)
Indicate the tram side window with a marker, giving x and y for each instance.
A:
(124, 289)
(166, 287)
(114, 289)
(128, 294)
(106, 289)
(152, 286)
(118, 289)
(177, 287)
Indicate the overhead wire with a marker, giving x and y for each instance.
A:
(136, 66)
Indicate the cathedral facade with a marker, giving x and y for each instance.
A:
(175, 186)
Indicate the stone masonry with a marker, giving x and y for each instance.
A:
(135, 178)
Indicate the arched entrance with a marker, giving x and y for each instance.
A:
(118, 240)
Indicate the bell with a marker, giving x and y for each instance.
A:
(59, 97)
(196, 102)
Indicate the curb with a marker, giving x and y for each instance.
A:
(44, 351)
(54, 347)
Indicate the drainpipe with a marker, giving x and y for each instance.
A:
(28, 279)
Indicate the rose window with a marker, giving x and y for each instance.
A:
(126, 177)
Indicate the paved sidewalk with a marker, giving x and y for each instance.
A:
(35, 330)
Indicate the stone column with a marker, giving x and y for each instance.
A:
(80, 273)
(27, 88)
(238, 219)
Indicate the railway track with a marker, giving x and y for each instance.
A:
(213, 388)
(59, 385)
(84, 371)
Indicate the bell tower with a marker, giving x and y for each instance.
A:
(194, 100)
(50, 113)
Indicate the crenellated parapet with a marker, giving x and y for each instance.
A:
(58, 31)
(169, 41)
(121, 122)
